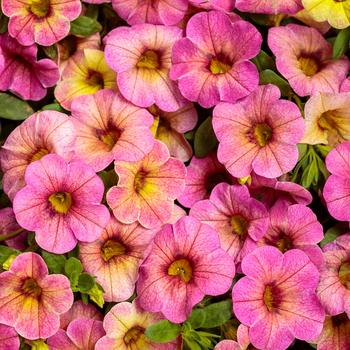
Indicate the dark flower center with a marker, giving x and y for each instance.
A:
(239, 225)
(133, 336)
(95, 79)
(309, 65)
(272, 297)
(140, 180)
(39, 8)
(149, 59)
(181, 268)
(61, 202)
(220, 64)
(112, 249)
(262, 134)
(31, 288)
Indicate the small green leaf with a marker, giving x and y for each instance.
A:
(50, 51)
(53, 107)
(73, 265)
(163, 331)
(13, 108)
(332, 234)
(341, 43)
(196, 318)
(96, 295)
(217, 314)
(85, 282)
(6, 252)
(204, 139)
(84, 26)
(54, 262)
(263, 61)
(268, 76)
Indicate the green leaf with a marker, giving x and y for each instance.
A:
(263, 61)
(6, 252)
(96, 295)
(217, 314)
(54, 262)
(332, 233)
(163, 331)
(73, 265)
(53, 107)
(204, 139)
(85, 26)
(196, 318)
(85, 282)
(50, 51)
(268, 76)
(3, 23)
(13, 108)
(341, 43)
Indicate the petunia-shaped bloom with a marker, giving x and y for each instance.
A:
(31, 301)
(125, 325)
(81, 334)
(327, 119)
(184, 263)
(239, 219)
(258, 133)
(273, 7)
(242, 343)
(304, 58)
(169, 128)
(42, 133)
(61, 203)
(336, 12)
(294, 227)
(22, 73)
(40, 21)
(203, 174)
(277, 298)
(9, 339)
(336, 191)
(86, 74)
(212, 62)
(110, 128)
(141, 56)
(114, 258)
(147, 189)
(150, 11)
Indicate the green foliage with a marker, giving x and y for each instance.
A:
(6, 252)
(54, 262)
(204, 139)
(264, 62)
(163, 331)
(13, 108)
(341, 43)
(268, 76)
(85, 26)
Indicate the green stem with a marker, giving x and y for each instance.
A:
(11, 235)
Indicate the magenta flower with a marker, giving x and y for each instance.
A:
(184, 263)
(141, 56)
(258, 133)
(28, 293)
(40, 21)
(22, 73)
(42, 133)
(61, 203)
(304, 58)
(110, 128)
(239, 219)
(210, 71)
(9, 339)
(277, 298)
(269, 6)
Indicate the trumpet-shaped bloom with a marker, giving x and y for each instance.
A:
(242, 343)
(184, 263)
(30, 299)
(22, 73)
(211, 63)
(169, 128)
(9, 339)
(269, 6)
(277, 298)
(110, 128)
(40, 21)
(42, 133)
(141, 56)
(85, 75)
(114, 258)
(239, 219)
(336, 191)
(258, 133)
(147, 189)
(125, 325)
(61, 203)
(304, 58)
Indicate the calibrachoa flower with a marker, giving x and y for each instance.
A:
(242, 343)
(42, 133)
(9, 339)
(269, 6)
(110, 128)
(125, 325)
(304, 58)
(239, 219)
(147, 189)
(141, 55)
(336, 191)
(85, 75)
(184, 263)
(210, 64)
(22, 73)
(277, 298)
(258, 133)
(31, 300)
(61, 203)
(42, 21)
(169, 128)
(114, 258)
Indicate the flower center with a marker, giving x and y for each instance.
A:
(61, 202)
(109, 138)
(284, 243)
(308, 65)
(39, 8)
(111, 249)
(262, 134)
(272, 297)
(31, 288)
(344, 274)
(181, 268)
(134, 335)
(140, 180)
(95, 79)
(149, 59)
(218, 66)
(39, 154)
(239, 225)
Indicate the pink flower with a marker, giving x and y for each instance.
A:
(336, 191)
(258, 133)
(61, 203)
(110, 128)
(42, 133)
(304, 58)
(149, 11)
(22, 73)
(242, 343)
(40, 21)
(211, 64)
(184, 263)
(277, 298)
(223, 5)
(28, 293)
(239, 219)
(114, 258)
(341, 242)
(9, 339)
(269, 6)
(147, 189)
(141, 55)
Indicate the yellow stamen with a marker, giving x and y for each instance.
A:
(31, 288)
(239, 225)
(218, 67)
(134, 336)
(39, 154)
(308, 65)
(268, 298)
(262, 134)
(111, 249)
(140, 180)
(61, 202)
(110, 138)
(181, 268)
(39, 8)
(284, 244)
(149, 59)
